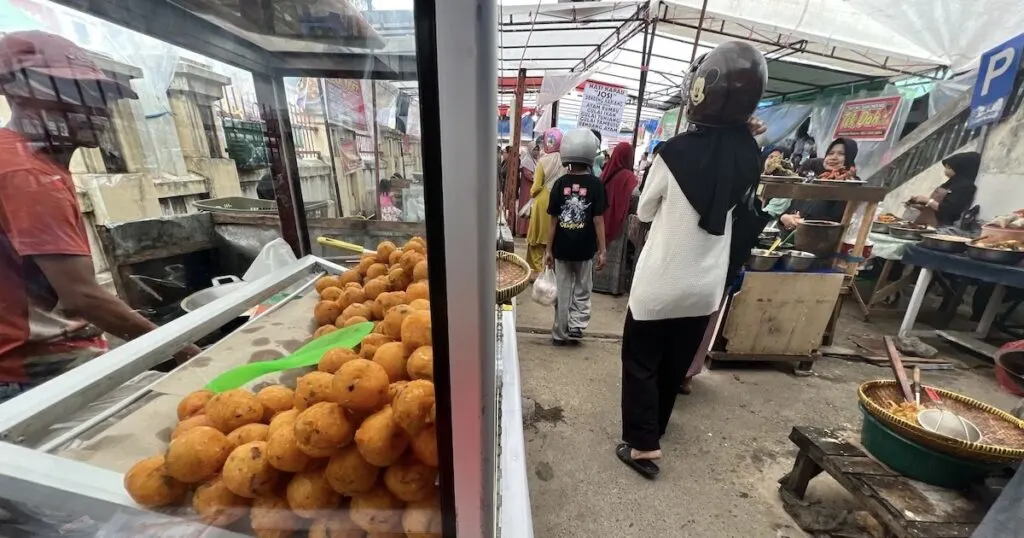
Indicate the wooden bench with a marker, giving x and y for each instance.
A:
(904, 507)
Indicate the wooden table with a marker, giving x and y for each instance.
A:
(904, 507)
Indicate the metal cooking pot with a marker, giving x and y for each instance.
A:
(992, 255)
(819, 237)
(880, 227)
(795, 260)
(222, 286)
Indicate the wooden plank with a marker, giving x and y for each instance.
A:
(758, 357)
(826, 442)
(861, 465)
(781, 313)
(862, 237)
(813, 191)
(917, 501)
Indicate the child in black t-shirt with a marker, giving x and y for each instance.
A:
(576, 204)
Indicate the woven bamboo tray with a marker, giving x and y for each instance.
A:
(1002, 438)
(512, 278)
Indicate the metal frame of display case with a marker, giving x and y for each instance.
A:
(455, 65)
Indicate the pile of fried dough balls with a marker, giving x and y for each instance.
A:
(350, 452)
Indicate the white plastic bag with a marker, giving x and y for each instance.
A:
(545, 290)
(274, 255)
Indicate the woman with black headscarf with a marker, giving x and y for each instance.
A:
(838, 164)
(691, 191)
(952, 198)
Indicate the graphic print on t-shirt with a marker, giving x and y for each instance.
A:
(574, 214)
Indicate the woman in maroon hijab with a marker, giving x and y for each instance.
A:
(619, 183)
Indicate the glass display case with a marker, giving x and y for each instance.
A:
(327, 112)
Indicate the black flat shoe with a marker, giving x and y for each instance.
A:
(563, 343)
(645, 468)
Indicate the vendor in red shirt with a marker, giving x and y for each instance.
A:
(53, 312)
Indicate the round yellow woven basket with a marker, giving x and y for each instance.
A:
(875, 395)
(504, 294)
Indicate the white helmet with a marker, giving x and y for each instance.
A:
(579, 146)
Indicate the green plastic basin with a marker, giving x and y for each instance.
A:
(918, 462)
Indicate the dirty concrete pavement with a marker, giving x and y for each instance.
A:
(726, 447)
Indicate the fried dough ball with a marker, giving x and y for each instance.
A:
(351, 275)
(197, 455)
(248, 434)
(421, 363)
(331, 294)
(217, 505)
(375, 271)
(423, 518)
(361, 385)
(349, 474)
(329, 281)
(412, 405)
(393, 258)
(355, 320)
(393, 320)
(275, 399)
(322, 429)
(189, 423)
(336, 526)
(272, 517)
(416, 330)
(380, 440)
(326, 312)
(365, 262)
(193, 404)
(399, 278)
(410, 480)
(248, 473)
(314, 387)
(283, 451)
(376, 510)
(394, 389)
(424, 445)
(376, 310)
(384, 250)
(233, 409)
(309, 495)
(391, 299)
(368, 347)
(420, 304)
(284, 419)
(409, 260)
(418, 290)
(351, 296)
(334, 358)
(148, 484)
(376, 286)
(324, 330)
(392, 358)
(353, 310)
(419, 271)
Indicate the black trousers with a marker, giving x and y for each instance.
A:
(656, 355)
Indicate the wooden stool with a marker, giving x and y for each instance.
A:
(905, 507)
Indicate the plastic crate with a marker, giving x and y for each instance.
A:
(234, 205)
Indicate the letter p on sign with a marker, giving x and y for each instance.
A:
(998, 64)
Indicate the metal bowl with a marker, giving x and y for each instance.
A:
(992, 255)
(908, 233)
(944, 243)
(944, 422)
(797, 260)
(880, 227)
(762, 260)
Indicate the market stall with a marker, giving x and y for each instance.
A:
(481, 491)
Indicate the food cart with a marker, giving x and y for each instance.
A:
(783, 316)
(483, 490)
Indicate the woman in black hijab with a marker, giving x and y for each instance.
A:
(838, 163)
(954, 196)
(692, 188)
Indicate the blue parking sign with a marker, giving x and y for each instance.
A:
(996, 74)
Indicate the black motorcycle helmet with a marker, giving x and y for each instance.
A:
(724, 86)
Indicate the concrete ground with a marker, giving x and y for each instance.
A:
(726, 446)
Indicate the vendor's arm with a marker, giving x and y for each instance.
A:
(953, 204)
(538, 181)
(654, 191)
(600, 205)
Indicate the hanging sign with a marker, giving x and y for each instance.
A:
(345, 104)
(602, 107)
(996, 73)
(350, 156)
(867, 120)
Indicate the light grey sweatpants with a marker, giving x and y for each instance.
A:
(575, 281)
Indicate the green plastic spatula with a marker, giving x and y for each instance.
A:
(307, 355)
